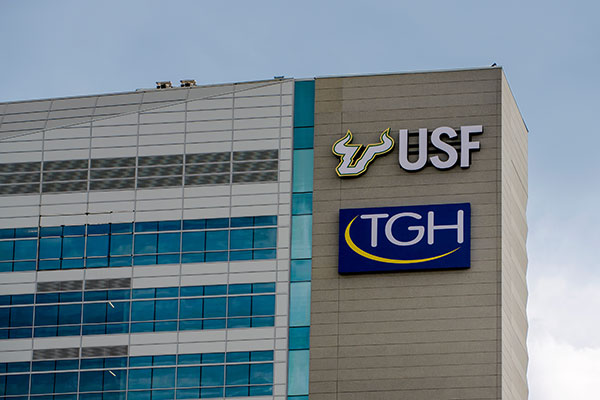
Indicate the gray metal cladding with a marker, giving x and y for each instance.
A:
(59, 286)
(114, 283)
(56, 354)
(150, 171)
(104, 351)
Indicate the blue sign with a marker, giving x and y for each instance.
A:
(405, 238)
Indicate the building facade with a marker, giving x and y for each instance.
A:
(193, 242)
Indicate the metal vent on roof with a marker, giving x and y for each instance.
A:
(65, 165)
(163, 84)
(59, 286)
(255, 155)
(270, 176)
(114, 283)
(207, 157)
(113, 184)
(56, 354)
(187, 82)
(20, 189)
(206, 168)
(104, 351)
(80, 186)
(113, 162)
(207, 179)
(20, 167)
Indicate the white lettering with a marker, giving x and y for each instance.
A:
(403, 151)
(431, 227)
(374, 218)
(445, 147)
(466, 145)
(390, 236)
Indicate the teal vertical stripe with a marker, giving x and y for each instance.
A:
(301, 246)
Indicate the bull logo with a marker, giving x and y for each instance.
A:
(353, 161)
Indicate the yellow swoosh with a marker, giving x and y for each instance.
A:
(373, 257)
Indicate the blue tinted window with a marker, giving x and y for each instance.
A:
(194, 224)
(212, 375)
(302, 203)
(18, 367)
(300, 298)
(74, 230)
(263, 305)
(265, 220)
(70, 297)
(97, 246)
(193, 241)
(142, 311)
(21, 316)
(166, 309)
(300, 270)
(120, 245)
(192, 291)
(47, 298)
(22, 299)
(213, 358)
(140, 378)
(241, 239)
(265, 237)
(121, 228)
(169, 225)
(117, 311)
(143, 293)
(298, 372)
(302, 236)
(217, 223)
(215, 289)
(101, 229)
(146, 226)
(167, 292)
(66, 382)
(240, 288)
(163, 377)
(69, 314)
(143, 361)
(168, 242)
(46, 315)
(6, 250)
(266, 355)
(217, 240)
(42, 383)
(299, 338)
(241, 222)
(304, 138)
(67, 364)
(263, 287)
(188, 376)
(302, 180)
(191, 308)
(25, 249)
(261, 374)
(26, 232)
(17, 384)
(7, 233)
(145, 244)
(214, 307)
(164, 360)
(239, 306)
(238, 356)
(304, 103)
(73, 246)
(43, 366)
(115, 381)
(95, 312)
(91, 381)
(189, 359)
(46, 231)
(238, 374)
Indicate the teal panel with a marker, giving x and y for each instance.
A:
(301, 236)
(304, 103)
(300, 298)
(302, 178)
(304, 138)
(298, 372)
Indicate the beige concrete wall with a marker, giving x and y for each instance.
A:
(413, 335)
(514, 252)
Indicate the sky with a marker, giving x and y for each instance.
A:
(549, 50)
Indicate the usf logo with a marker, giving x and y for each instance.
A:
(353, 161)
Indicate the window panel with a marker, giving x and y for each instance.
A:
(118, 312)
(73, 246)
(97, 246)
(302, 171)
(17, 384)
(302, 203)
(145, 244)
(300, 298)
(163, 378)
(21, 316)
(94, 313)
(239, 306)
(120, 245)
(166, 309)
(212, 376)
(115, 382)
(46, 315)
(216, 256)
(6, 250)
(264, 238)
(191, 308)
(263, 305)
(140, 378)
(302, 236)
(169, 242)
(91, 380)
(241, 239)
(41, 383)
(238, 374)
(69, 314)
(25, 249)
(265, 220)
(66, 382)
(298, 372)
(214, 307)
(142, 311)
(217, 240)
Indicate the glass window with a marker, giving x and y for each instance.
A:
(238, 374)
(117, 311)
(66, 382)
(26, 232)
(69, 314)
(46, 231)
(6, 250)
(91, 363)
(120, 245)
(167, 292)
(142, 311)
(163, 378)
(74, 230)
(67, 364)
(96, 262)
(300, 298)
(304, 103)
(145, 244)
(213, 358)
(42, 383)
(265, 220)
(194, 224)
(166, 309)
(217, 223)
(302, 236)
(121, 228)
(241, 239)
(146, 226)
(215, 289)
(263, 287)
(17, 384)
(188, 291)
(265, 355)
(265, 237)
(302, 173)
(141, 361)
(304, 138)
(191, 308)
(25, 249)
(21, 316)
(164, 360)
(241, 222)
(263, 305)
(43, 366)
(73, 246)
(212, 375)
(46, 315)
(261, 374)
(239, 306)
(302, 203)
(169, 225)
(240, 288)
(214, 307)
(7, 233)
(94, 313)
(97, 246)
(298, 372)
(101, 229)
(115, 381)
(238, 356)
(193, 241)
(299, 338)
(169, 242)
(144, 293)
(300, 270)
(140, 378)
(91, 381)
(217, 240)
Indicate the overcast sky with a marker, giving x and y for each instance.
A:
(550, 52)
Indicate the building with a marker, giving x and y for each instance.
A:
(234, 240)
